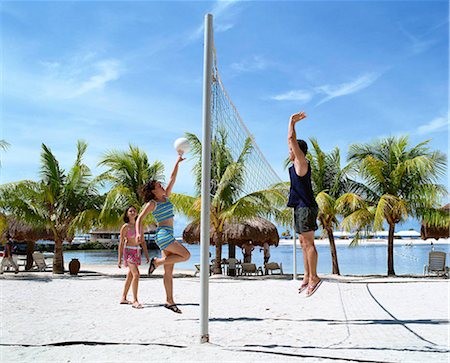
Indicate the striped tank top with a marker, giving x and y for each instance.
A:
(163, 211)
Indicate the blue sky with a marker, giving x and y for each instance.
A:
(114, 73)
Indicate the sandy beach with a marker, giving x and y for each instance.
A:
(363, 319)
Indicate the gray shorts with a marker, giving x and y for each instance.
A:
(305, 219)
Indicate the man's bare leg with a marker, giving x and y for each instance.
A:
(306, 274)
(312, 256)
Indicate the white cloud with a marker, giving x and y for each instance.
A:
(330, 91)
(343, 89)
(50, 65)
(418, 44)
(256, 63)
(220, 8)
(106, 71)
(221, 28)
(74, 79)
(295, 95)
(435, 125)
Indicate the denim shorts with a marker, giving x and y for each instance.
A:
(305, 219)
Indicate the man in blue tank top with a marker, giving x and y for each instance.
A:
(301, 198)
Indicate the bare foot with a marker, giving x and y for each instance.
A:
(136, 305)
(313, 286)
(314, 280)
(303, 285)
(125, 302)
(173, 307)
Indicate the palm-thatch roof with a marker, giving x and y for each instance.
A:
(435, 232)
(258, 230)
(20, 231)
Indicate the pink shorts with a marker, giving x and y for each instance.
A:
(132, 255)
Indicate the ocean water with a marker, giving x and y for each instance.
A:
(361, 260)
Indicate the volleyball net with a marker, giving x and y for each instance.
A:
(227, 127)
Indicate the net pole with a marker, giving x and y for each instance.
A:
(294, 252)
(206, 180)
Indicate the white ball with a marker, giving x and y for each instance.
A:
(182, 144)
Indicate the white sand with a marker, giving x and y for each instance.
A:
(260, 319)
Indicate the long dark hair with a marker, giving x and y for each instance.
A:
(147, 190)
(125, 214)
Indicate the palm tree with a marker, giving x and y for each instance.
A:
(399, 181)
(3, 146)
(62, 202)
(127, 172)
(329, 183)
(228, 202)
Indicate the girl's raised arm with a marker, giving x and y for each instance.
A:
(173, 176)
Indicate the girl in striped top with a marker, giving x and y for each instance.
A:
(158, 203)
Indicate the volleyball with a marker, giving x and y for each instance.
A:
(182, 145)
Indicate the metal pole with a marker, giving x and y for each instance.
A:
(206, 180)
(294, 275)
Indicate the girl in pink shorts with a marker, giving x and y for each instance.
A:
(130, 252)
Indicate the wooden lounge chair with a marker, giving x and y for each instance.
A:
(436, 264)
(270, 267)
(39, 261)
(197, 269)
(250, 269)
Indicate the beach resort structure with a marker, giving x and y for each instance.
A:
(107, 235)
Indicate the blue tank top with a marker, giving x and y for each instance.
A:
(163, 210)
(301, 193)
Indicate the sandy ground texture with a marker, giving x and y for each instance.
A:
(78, 319)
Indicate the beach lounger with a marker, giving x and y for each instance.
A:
(250, 269)
(7, 264)
(233, 265)
(436, 264)
(39, 261)
(197, 269)
(270, 267)
(15, 260)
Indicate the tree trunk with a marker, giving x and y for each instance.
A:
(231, 254)
(334, 258)
(390, 260)
(217, 262)
(30, 250)
(58, 258)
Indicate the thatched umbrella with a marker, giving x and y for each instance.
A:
(436, 232)
(257, 230)
(23, 232)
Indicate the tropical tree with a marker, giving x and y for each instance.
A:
(329, 183)
(398, 181)
(64, 202)
(228, 200)
(127, 172)
(3, 146)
